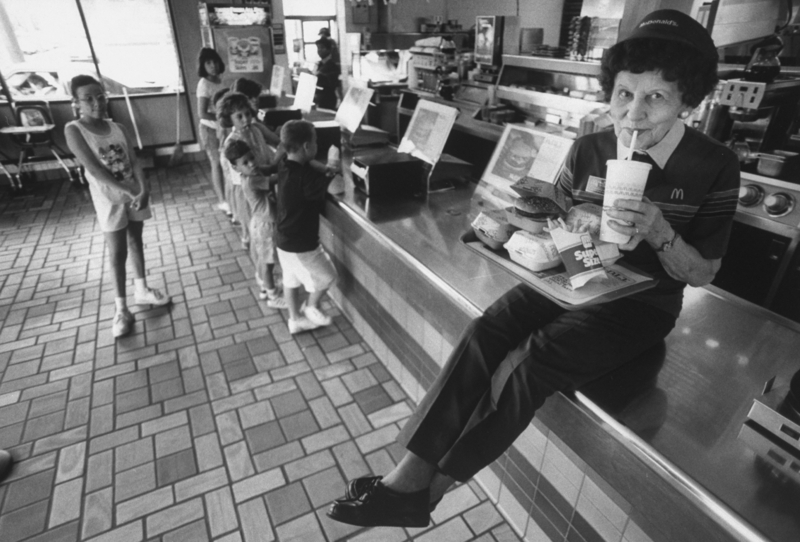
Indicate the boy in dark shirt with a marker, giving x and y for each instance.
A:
(301, 198)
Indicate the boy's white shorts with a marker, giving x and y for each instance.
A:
(313, 270)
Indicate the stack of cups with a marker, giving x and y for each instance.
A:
(625, 179)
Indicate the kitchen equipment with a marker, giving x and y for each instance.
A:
(386, 173)
(762, 264)
(762, 113)
(770, 165)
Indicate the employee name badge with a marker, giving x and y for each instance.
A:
(596, 185)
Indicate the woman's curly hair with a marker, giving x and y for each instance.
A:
(695, 74)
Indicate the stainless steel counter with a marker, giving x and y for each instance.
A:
(687, 418)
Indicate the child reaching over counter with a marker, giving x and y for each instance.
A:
(302, 188)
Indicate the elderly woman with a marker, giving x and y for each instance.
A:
(524, 348)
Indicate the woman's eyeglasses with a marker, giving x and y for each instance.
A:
(91, 100)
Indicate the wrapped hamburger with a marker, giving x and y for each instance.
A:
(537, 201)
(531, 213)
(492, 228)
(534, 251)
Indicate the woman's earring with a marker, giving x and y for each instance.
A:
(685, 114)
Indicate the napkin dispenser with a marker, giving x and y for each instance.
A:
(388, 174)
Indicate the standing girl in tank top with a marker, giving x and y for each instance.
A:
(210, 68)
(120, 193)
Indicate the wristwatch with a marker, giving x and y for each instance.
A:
(666, 246)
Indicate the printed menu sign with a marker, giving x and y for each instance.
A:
(244, 55)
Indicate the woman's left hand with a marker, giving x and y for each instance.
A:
(642, 220)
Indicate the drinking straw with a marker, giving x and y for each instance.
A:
(633, 144)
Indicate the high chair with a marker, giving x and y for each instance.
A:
(34, 130)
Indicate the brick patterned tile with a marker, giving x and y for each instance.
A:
(287, 503)
(24, 522)
(29, 490)
(303, 529)
(210, 421)
(195, 531)
(134, 482)
(175, 516)
(202, 483)
(98, 513)
(237, 457)
(71, 461)
(66, 503)
(372, 399)
(256, 526)
(276, 457)
(309, 465)
(264, 437)
(221, 511)
(259, 484)
(175, 467)
(144, 505)
(133, 454)
(173, 440)
(299, 425)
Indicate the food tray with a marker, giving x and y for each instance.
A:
(553, 284)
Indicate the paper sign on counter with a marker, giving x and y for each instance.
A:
(306, 87)
(277, 81)
(353, 107)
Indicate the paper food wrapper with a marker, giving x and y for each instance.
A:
(535, 251)
(492, 228)
(579, 255)
(585, 215)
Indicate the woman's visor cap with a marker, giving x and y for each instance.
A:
(672, 25)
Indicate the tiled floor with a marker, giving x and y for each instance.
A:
(210, 421)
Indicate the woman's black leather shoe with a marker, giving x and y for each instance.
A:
(380, 506)
(358, 486)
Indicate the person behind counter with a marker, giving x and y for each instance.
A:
(328, 71)
(209, 68)
(524, 348)
(325, 32)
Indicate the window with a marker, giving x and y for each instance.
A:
(46, 44)
(303, 20)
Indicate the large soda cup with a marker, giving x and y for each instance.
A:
(625, 179)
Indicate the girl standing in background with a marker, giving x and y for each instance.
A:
(209, 68)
